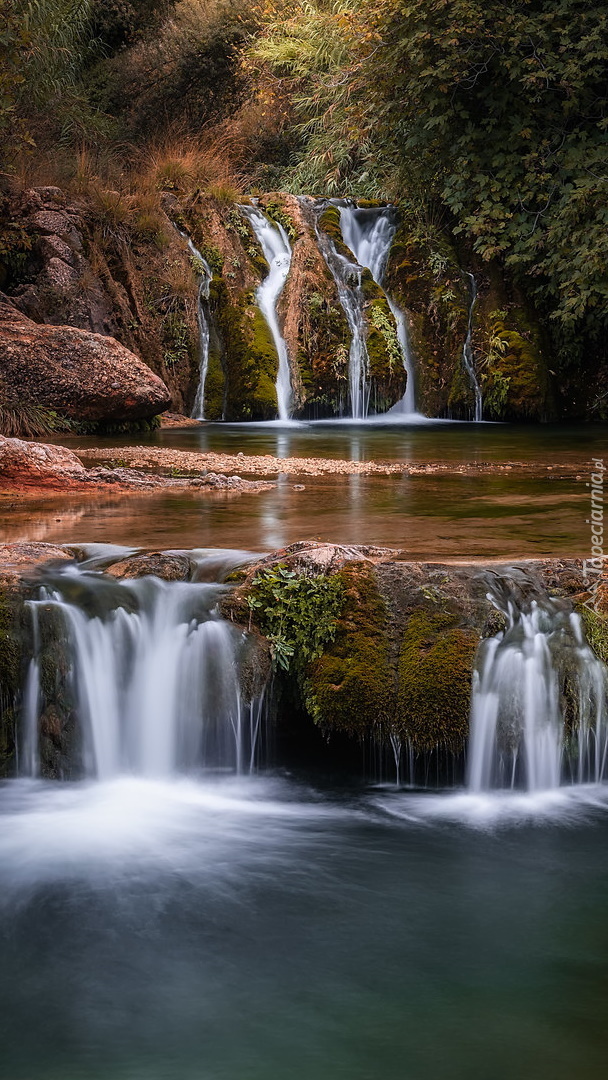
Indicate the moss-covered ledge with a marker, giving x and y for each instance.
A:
(399, 660)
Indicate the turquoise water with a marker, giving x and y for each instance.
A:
(269, 930)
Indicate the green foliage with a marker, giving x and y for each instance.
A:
(381, 319)
(297, 613)
(277, 213)
(24, 420)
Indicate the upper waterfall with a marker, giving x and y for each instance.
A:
(369, 233)
(277, 252)
(206, 277)
(347, 276)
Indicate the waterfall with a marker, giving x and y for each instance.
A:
(369, 235)
(198, 410)
(29, 764)
(521, 733)
(347, 276)
(154, 674)
(467, 354)
(277, 252)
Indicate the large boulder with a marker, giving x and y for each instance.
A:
(76, 373)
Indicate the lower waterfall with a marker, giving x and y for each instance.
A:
(154, 676)
(538, 716)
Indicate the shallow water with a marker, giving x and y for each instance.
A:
(265, 929)
(429, 517)
(504, 515)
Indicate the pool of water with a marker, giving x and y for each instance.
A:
(267, 929)
(457, 443)
(437, 516)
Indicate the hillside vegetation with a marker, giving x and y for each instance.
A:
(486, 123)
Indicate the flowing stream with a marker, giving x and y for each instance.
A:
(369, 235)
(277, 251)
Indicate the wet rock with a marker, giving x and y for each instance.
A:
(81, 375)
(157, 563)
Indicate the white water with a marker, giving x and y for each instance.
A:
(277, 252)
(369, 235)
(154, 676)
(347, 276)
(198, 410)
(468, 357)
(518, 735)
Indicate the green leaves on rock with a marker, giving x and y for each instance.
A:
(297, 613)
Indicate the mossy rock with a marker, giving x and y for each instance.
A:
(329, 223)
(595, 625)
(350, 687)
(249, 359)
(11, 663)
(435, 677)
(515, 380)
(370, 289)
(215, 383)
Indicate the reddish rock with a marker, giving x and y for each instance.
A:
(82, 375)
(38, 465)
(18, 560)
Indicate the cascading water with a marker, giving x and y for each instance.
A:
(369, 233)
(347, 276)
(539, 715)
(277, 252)
(469, 359)
(154, 674)
(206, 277)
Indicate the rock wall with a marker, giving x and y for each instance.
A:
(95, 264)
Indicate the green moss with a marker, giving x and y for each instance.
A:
(249, 359)
(386, 369)
(435, 673)
(369, 288)
(10, 673)
(595, 625)
(369, 204)
(215, 385)
(329, 223)
(350, 688)
(424, 277)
